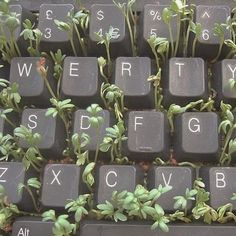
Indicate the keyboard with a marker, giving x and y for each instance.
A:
(117, 117)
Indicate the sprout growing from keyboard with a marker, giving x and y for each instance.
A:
(196, 28)
(113, 140)
(34, 36)
(96, 121)
(127, 11)
(7, 147)
(227, 127)
(102, 64)
(9, 21)
(87, 175)
(229, 43)
(62, 226)
(32, 183)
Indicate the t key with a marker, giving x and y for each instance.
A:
(147, 135)
(60, 184)
(81, 80)
(54, 38)
(223, 72)
(114, 178)
(207, 16)
(196, 137)
(103, 17)
(153, 25)
(179, 178)
(220, 182)
(32, 87)
(185, 80)
(11, 175)
(131, 76)
(51, 129)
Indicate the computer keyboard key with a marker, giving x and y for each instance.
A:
(208, 16)
(82, 125)
(220, 183)
(4, 71)
(196, 137)
(61, 182)
(151, 24)
(81, 80)
(224, 72)
(32, 87)
(51, 130)
(27, 226)
(184, 81)
(131, 228)
(229, 3)
(131, 76)
(179, 178)
(147, 135)
(103, 17)
(11, 175)
(112, 178)
(54, 38)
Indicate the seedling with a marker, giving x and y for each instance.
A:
(113, 141)
(229, 43)
(127, 11)
(62, 227)
(4, 113)
(196, 28)
(102, 64)
(31, 183)
(34, 36)
(87, 175)
(7, 147)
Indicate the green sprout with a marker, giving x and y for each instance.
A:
(4, 115)
(113, 140)
(195, 28)
(127, 11)
(31, 183)
(87, 175)
(102, 64)
(232, 53)
(62, 226)
(96, 121)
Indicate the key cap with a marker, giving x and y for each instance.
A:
(4, 71)
(104, 16)
(34, 6)
(152, 24)
(22, 14)
(97, 228)
(51, 129)
(207, 16)
(54, 38)
(60, 184)
(81, 81)
(11, 175)
(27, 226)
(112, 178)
(185, 80)
(131, 74)
(179, 178)
(196, 137)
(220, 183)
(223, 72)
(32, 87)
(229, 3)
(82, 125)
(147, 135)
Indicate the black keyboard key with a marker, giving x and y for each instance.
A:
(223, 72)
(185, 80)
(51, 129)
(153, 25)
(131, 76)
(208, 16)
(114, 178)
(54, 38)
(98, 228)
(34, 6)
(60, 184)
(32, 87)
(81, 80)
(179, 178)
(103, 17)
(196, 137)
(220, 183)
(147, 135)
(82, 125)
(27, 226)
(229, 3)
(11, 175)
(4, 71)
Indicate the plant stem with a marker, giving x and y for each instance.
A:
(49, 87)
(10, 122)
(32, 197)
(97, 146)
(171, 39)
(219, 51)
(73, 46)
(178, 34)
(80, 40)
(131, 35)
(186, 41)
(194, 46)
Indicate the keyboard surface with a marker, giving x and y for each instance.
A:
(117, 117)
